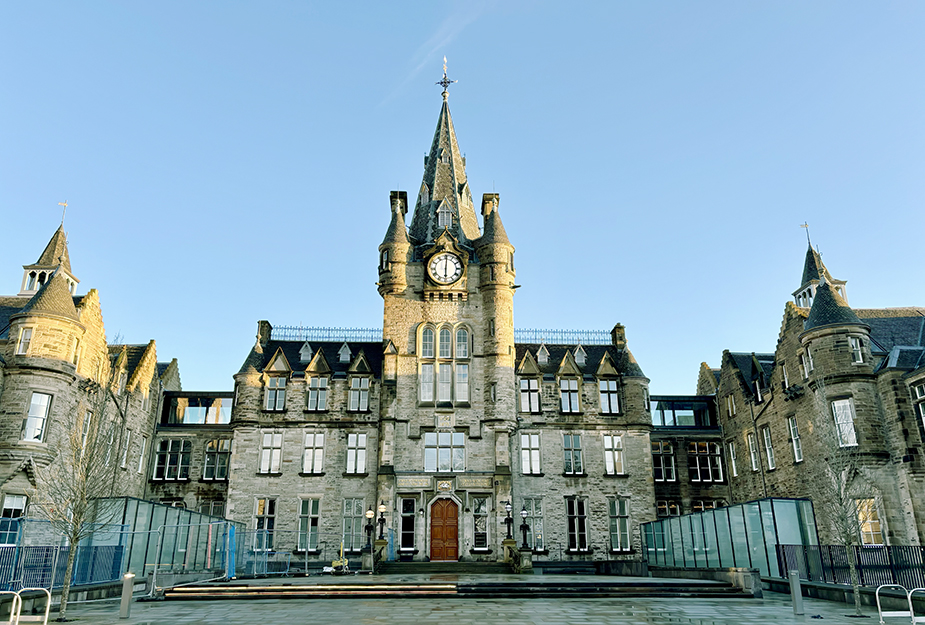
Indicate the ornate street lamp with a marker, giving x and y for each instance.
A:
(509, 520)
(382, 509)
(369, 527)
(524, 528)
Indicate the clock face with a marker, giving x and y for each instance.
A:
(445, 268)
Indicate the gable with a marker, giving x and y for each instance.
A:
(278, 363)
(528, 365)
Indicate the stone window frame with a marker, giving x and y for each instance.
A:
(444, 371)
(870, 521)
(123, 463)
(754, 453)
(313, 454)
(141, 455)
(212, 507)
(856, 344)
(266, 465)
(768, 447)
(408, 523)
(309, 524)
(703, 505)
(705, 462)
(35, 422)
(614, 463)
(619, 516)
(663, 460)
(359, 456)
(13, 507)
(358, 393)
(316, 393)
(730, 401)
(274, 393)
(531, 457)
(264, 520)
(24, 340)
(569, 397)
(219, 450)
(481, 517)
(532, 391)
(576, 515)
(354, 520)
(536, 539)
(665, 508)
(731, 455)
(444, 440)
(609, 397)
(918, 398)
(182, 454)
(572, 455)
(846, 404)
(795, 441)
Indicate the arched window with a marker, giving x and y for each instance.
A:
(446, 343)
(427, 343)
(31, 286)
(462, 343)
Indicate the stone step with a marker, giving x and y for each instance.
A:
(440, 568)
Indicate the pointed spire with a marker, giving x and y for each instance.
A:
(54, 259)
(494, 229)
(814, 273)
(444, 180)
(829, 308)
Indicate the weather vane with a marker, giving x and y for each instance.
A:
(446, 82)
(806, 225)
(64, 204)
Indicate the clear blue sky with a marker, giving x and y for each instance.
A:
(231, 161)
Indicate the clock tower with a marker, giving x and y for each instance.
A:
(448, 334)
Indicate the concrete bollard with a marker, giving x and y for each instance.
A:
(128, 585)
(796, 592)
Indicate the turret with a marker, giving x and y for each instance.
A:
(54, 259)
(814, 271)
(395, 248)
(48, 326)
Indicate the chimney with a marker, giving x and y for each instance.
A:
(618, 336)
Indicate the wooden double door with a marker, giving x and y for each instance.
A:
(444, 530)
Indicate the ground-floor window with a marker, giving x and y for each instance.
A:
(308, 523)
(619, 525)
(480, 522)
(667, 507)
(13, 509)
(354, 519)
(868, 521)
(576, 511)
(408, 514)
(264, 519)
(535, 520)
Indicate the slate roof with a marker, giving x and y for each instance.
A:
(752, 367)
(829, 308)
(53, 298)
(9, 306)
(445, 181)
(161, 368)
(623, 360)
(259, 358)
(396, 231)
(494, 230)
(897, 335)
(133, 356)
(814, 269)
(55, 253)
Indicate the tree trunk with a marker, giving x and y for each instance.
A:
(66, 587)
(855, 581)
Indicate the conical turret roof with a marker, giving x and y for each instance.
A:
(494, 230)
(54, 298)
(444, 181)
(55, 253)
(830, 308)
(813, 268)
(396, 232)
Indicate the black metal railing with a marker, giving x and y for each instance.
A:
(875, 564)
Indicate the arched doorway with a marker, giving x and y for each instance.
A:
(444, 530)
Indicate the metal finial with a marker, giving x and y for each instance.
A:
(64, 204)
(446, 82)
(806, 225)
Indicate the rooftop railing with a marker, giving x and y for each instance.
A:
(371, 335)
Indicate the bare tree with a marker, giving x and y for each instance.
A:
(836, 475)
(69, 491)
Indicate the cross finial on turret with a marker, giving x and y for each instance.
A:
(446, 82)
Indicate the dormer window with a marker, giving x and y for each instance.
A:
(444, 217)
(344, 354)
(580, 355)
(542, 355)
(445, 157)
(425, 194)
(305, 353)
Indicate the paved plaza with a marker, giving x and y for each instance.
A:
(773, 608)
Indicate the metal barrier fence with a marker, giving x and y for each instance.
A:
(876, 565)
(282, 552)
(44, 567)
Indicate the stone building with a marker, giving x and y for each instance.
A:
(53, 355)
(445, 418)
(841, 381)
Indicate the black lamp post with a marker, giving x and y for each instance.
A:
(369, 527)
(509, 520)
(524, 528)
(381, 521)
